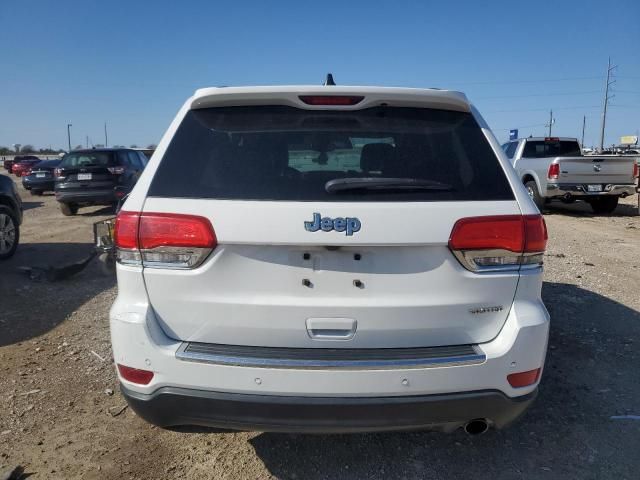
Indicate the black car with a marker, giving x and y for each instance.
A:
(10, 217)
(41, 179)
(91, 177)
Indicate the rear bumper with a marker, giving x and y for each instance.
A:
(581, 190)
(87, 197)
(38, 184)
(171, 406)
(218, 390)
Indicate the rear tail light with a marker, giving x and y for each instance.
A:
(58, 173)
(636, 172)
(523, 379)
(163, 240)
(554, 171)
(116, 170)
(499, 243)
(338, 100)
(135, 375)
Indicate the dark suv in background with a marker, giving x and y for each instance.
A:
(96, 177)
(10, 217)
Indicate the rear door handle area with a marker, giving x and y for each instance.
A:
(331, 328)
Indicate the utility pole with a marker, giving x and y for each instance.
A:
(106, 141)
(584, 121)
(606, 102)
(87, 137)
(69, 135)
(551, 122)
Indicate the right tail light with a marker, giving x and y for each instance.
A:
(499, 243)
(636, 173)
(163, 240)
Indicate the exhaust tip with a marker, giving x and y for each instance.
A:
(476, 427)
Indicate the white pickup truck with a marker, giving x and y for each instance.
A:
(554, 168)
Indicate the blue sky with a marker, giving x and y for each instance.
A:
(133, 63)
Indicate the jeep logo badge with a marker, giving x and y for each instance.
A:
(348, 225)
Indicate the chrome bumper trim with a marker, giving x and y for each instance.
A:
(324, 358)
(580, 189)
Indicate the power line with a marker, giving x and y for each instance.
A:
(522, 126)
(546, 80)
(539, 95)
(585, 107)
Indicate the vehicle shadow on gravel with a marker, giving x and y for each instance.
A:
(30, 304)
(589, 376)
(108, 210)
(29, 205)
(582, 209)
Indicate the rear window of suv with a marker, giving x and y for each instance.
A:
(87, 159)
(288, 154)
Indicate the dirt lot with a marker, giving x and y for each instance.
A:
(61, 415)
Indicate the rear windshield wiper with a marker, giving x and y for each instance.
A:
(376, 183)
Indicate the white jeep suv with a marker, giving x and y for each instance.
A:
(329, 259)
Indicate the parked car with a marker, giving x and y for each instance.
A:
(329, 259)
(10, 217)
(23, 165)
(41, 178)
(554, 168)
(96, 177)
(8, 162)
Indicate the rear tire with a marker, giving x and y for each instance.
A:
(9, 232)
(532, 190)
(603, 205)
(68, 209)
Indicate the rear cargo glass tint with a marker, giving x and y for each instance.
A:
(289, 154)
(87, 159)
(540, 149)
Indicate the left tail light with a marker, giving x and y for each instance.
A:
(163, 240)
(499, 243)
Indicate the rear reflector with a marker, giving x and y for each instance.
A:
(554, 171)
(135, 375)
(503, 242)
(331, 99)
(163, 240)
(523, 379)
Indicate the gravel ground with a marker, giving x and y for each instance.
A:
(61, 415)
